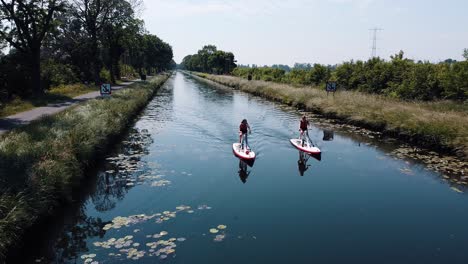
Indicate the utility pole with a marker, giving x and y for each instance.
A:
(374, 41)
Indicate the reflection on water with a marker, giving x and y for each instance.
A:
(328, 135)
(122, 172)
(302, 162)
(168, 194)
(243, 170)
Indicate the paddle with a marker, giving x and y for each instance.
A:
(310, 139)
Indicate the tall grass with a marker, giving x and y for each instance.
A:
(442, 126)
(43, 162)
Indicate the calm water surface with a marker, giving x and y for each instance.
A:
(176, 174)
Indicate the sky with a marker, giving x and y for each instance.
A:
(266, 32)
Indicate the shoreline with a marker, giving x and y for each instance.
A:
(48, 158)
(452, 161)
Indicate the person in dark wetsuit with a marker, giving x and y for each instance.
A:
(303, 128)
(243, 129)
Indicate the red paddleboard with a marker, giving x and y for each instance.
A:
(307, 148)
(242, 153)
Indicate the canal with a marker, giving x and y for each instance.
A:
(173, 192)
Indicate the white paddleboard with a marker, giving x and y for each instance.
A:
(242, 153)
(307, 148)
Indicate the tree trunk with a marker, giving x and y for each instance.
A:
(36, 72)
(96, 61)
(111, 71)
(117, 70)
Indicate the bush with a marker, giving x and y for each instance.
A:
(399, 78)
(105, 75)
(56, 74)
(15, 77)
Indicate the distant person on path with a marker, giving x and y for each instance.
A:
(243, 129)
(303, 128)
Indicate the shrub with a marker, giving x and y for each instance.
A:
(55, 74)
(105, 75)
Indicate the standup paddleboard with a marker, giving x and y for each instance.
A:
(307, 148)
(242, 153)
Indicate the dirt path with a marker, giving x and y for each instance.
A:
(24, 118)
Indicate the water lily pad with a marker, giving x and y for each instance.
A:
(456, 190)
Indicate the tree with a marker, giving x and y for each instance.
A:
(465, 54)
(25, 24)
(211, 60)
(94, 15)
(117, 34)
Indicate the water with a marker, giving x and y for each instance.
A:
(356, 205)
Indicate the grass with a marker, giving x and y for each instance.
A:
(440, 125)
(43, 162)
(56, 94)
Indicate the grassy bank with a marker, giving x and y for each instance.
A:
(54, 95)
(440, 126)
(43, 162)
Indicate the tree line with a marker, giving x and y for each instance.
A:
(51, 42)
(398, 77)
(210, 60)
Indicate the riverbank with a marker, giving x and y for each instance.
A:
(417, 123)
(44, 162)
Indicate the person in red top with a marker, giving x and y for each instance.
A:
(243, 129)
(303, 128)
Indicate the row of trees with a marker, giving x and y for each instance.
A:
(51, 42)
(399, 77)
(314, 75)
(210, 60)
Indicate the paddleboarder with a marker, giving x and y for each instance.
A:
(243, 129)
(303, 128)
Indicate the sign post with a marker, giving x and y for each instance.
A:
(106, 89)
(331, 88)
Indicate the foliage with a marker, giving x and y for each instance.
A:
(211, 60)
(55, 74)
(105, 76)
(43, 161)
(27, 25)
(399, 77)
(56, 42)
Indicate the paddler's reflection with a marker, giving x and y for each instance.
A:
(328, 135)
(302, 163)
(243, 172)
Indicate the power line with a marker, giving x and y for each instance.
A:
(374, 41)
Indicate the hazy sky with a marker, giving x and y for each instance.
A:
(323, 31)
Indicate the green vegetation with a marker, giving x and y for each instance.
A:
(210, 60)
(59, 42)
(57, 94)
(441, 126)
(398, 78)
(41, 163)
